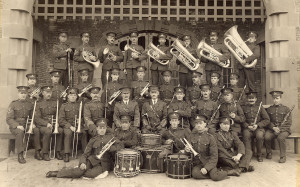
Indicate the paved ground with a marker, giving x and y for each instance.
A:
(267, 173)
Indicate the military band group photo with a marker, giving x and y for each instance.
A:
(197, 128)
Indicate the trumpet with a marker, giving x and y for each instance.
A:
(238, 47)
(184, 56)
(110, 54)
(145, 89)
(64, 93)
(105, 148)
(155, 53)
(30, 129)
(127, 47)
(35, 92)
(87, 57)
(114, 96)
(55, 132)
(188, 145)
(211, 54)
(85, 89)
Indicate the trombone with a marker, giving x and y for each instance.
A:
(77, 131)
(114, 96)
(55, 132)
(30, 129)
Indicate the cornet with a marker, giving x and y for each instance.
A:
(114, 96)
(211, 54)
(106, 147)
(127, 47)
(238, 47)
(155, 53)
(184, 56)
(85, 89)
(110, 54)
(35, 92)
(87, 57)
(144, 89)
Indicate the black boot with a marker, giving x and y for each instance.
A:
(21, 159)
(67, 157)
(58, 156)
(37, 155)
(233, 172)
(46, 157)
(51, 174)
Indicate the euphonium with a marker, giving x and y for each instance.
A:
(184, 56)
(155, 53)
(127, 47)
(211, 54)
(114, 97)
(238, 47)
(86, 56)
(85, 89)
(110, 54)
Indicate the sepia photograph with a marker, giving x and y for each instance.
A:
(149, 93)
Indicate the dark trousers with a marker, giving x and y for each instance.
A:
(244, 162)
(20, 145)
(156, 77)
(247, 78)
(68, 140)
(185, 79)
(131, 75)
(214, 174)
(249, 135)
(270, 135)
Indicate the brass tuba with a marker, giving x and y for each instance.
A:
(184, 56)
(238, 47)
(211, 54)
(156, 53)
(86, 56)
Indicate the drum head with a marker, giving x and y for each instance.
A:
(178, 156)
(128, 151)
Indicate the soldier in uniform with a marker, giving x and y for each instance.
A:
(166, 89)
(44, 114)
(193, 92)
(181, 106)
(60, 53)
(57, 88)
(215, 87)
(127, 107)
(85, 46)
(232, 109)
(248, 74)
(252, 128)
(237, 159)
(278, 128)
(84, 84)
(34, 91)
(154, 113)
(156, 67)
(205, 163)
(68, 115)
(112, 87)
(110, 55)
(211, 66)
(89, 165)
(93, 111)
(139, 86)
(237, 91)
(134, 56)
(206, 107)
(126, 134)
(16, 117)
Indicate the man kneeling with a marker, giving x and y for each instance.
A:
(90, 166)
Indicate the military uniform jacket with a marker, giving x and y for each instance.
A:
(111, 87)
(227, 108)
(204, 144)
(60, 55)
(215, 91)
(183, 108)
(128, 137)
(227, 142)
(157, 66)
(44, 113)
(207, 108)
(250, 112)
(182, 67)
(94, 147)
(211, 66)
(131, 109)
(130, 62)
(176, 135)
(277, 114)
(137, 87)
(108, 64)
(193, 94)
(256, 54)
(56, 91)
(166, 91)
(82, 64)
(237, 91)
(156, 112)
(67, 113)
(17, 113)
(93, 110)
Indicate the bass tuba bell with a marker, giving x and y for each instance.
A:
(184, 56)
(155, 53)
(238, 47)
(211, 54)
(87, 57)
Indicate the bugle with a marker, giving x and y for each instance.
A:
(87, 57)
(189, 146)
(145, 89)
(155, 53)
(85, 89)
(35, 92)
(114, 97)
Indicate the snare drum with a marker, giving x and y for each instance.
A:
(127, 163)
(179, 166)
(150, 140)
